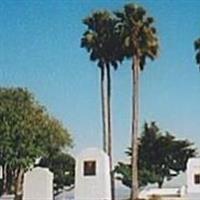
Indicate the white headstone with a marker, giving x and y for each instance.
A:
(38, 184)
(193, 179)
(92, 181)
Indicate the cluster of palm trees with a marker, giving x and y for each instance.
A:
(110, 38)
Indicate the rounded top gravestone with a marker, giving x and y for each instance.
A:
(92, 181)
(193, 179)
(38, 184)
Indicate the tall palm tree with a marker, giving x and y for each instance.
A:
(140, 42)
(197, 49)
(101, 42)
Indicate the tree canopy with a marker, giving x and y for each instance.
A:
(101, 39)
(27, 132)
(138, 34)
(63, 167)
(161, 157)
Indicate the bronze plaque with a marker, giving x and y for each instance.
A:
(89, 168)
(197, 178)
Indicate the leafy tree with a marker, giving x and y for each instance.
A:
(197, 49)
(63, 167)
(140, 42)
(102, 43)
(161, 157)
(26, 133)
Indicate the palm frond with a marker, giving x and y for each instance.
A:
(137, 32)
(101, 39)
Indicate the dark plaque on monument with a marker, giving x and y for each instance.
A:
(89, 168)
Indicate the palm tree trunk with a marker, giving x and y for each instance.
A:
(110, 130)
(135, 126)
(103, 106)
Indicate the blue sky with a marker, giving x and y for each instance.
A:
(40, 50)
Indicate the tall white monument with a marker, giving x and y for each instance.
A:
(38, 184)
(92, 181)
(193, 179)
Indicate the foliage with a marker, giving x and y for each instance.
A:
(63, 167)
(137, 33)
(197, 49)
(101, 40)
(161, 157)
(27, 132)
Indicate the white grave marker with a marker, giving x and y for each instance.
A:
(193, 179)
(38, 184)
(92, 181)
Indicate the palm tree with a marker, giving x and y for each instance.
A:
(197, 49)
(139, 43)
(101, 42)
